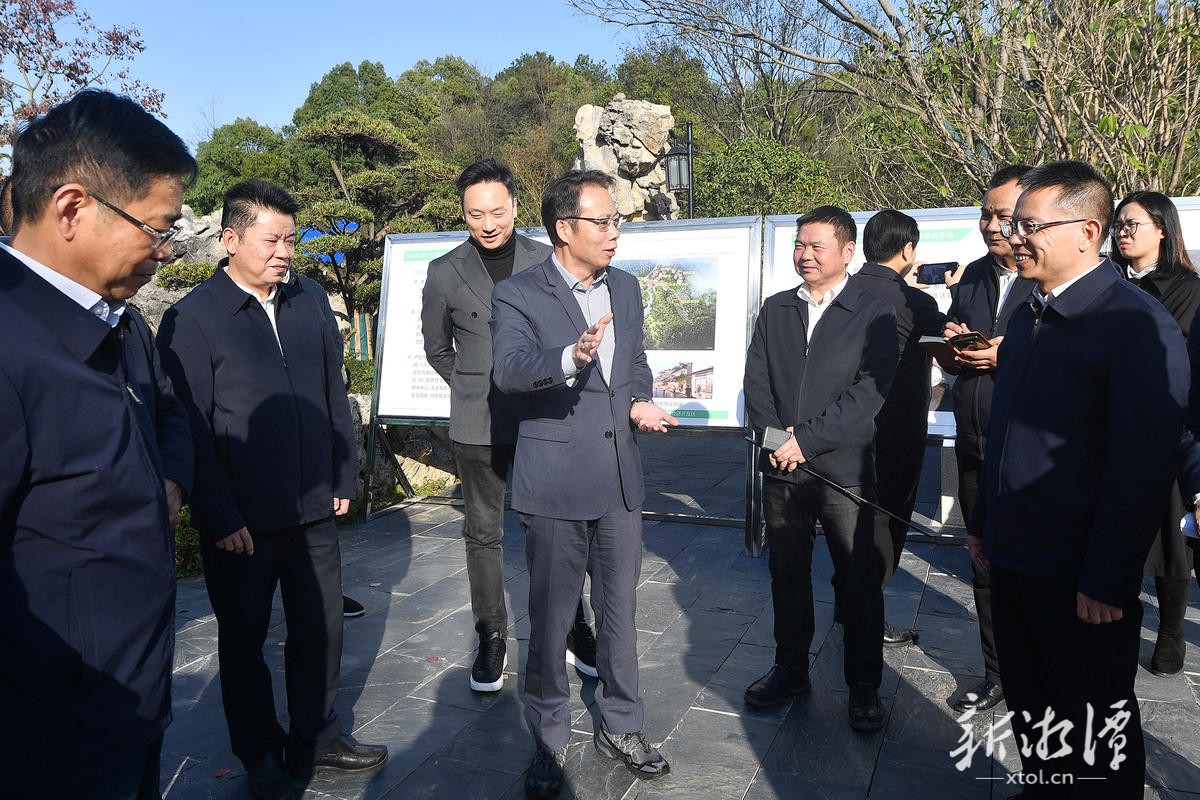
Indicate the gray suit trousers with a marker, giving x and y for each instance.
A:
(559, 553)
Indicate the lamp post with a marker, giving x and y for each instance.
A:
(679, 168)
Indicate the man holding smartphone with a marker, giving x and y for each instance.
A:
(984, 300)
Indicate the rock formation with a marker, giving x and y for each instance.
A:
(628, 139)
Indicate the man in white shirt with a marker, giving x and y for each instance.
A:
(819, 367)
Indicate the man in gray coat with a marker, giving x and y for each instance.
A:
(456, 307)
(568, 341)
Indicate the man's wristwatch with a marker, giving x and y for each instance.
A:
(640, 400)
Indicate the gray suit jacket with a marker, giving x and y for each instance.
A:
(576, 444)
(456, 305)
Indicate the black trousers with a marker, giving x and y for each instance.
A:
(1056, 663)
(898, 474)
(305, 563)
(483, 470)
(792, 511)
(969, 470)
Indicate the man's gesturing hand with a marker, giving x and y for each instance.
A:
(650, 418)
(589, 342)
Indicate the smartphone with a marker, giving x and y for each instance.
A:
(972, 340)
(935, 273)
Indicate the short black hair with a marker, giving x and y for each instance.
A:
(1172, 252)
(561, 198)
(1082, 190)
(1005, 175)
(6, 220)
(843, 224)
(886, 234)
(244, 200)
(104, 141)
(489, 170)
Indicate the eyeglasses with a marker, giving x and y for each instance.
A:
(1127, 228)
(602, 223)
(1024, 228)
(161, 238)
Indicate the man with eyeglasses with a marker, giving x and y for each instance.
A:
(259, 369)
(95, 454)
(984, 300)
(1087, 414)
(456, 305)
(567, 339)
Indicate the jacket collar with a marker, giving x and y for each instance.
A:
(80, 332)
(232, 296)
(1079, 295)
(879, 271)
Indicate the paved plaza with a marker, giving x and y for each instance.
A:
(704, 622)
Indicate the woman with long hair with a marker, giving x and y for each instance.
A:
(1148, 247)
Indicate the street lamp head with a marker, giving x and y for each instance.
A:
(679, 170)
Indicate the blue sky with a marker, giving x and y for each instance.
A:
(218, 60)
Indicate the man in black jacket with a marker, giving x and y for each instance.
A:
(889, 244)
(819, 366)
(95, 455)
(257, 365)
(984, 300)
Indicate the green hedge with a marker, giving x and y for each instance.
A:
(184, 275)
(187, 547)
(362, 376)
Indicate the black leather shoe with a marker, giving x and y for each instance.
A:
(268, 780)
(640, 758)
(581, 649)
(343, 755)
(980, 698)
(1168, 655)
(898, 637)
(779, 685)
(865, 708)
(544, 778)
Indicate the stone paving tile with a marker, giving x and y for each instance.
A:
(705, 621)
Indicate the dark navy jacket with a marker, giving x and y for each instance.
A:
(904, 418)
(274, 439)
(974, 305)
(87, 573)
(1086, 420)
(830, 387)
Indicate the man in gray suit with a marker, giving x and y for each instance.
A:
(456, 307)
(567, 340)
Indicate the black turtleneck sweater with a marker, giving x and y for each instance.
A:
(498, 261)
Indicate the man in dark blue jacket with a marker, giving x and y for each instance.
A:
(819, 366)
(985, 298)
(258, 368)
(95, 455)
(1087, 415)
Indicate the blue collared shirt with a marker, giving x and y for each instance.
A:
(594, 302)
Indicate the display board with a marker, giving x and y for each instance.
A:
(699, 282)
